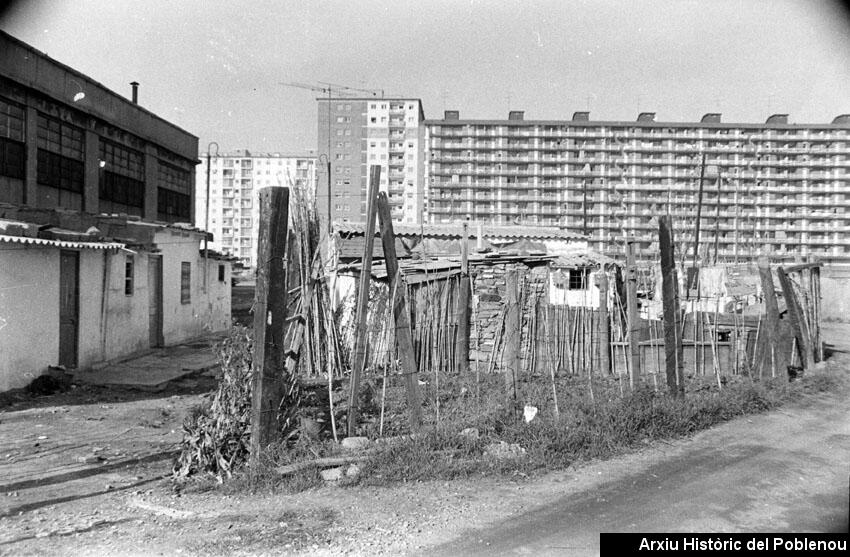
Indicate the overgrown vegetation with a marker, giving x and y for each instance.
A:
(217, 433)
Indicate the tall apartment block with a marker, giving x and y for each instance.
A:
(357, 133)
(234, 208)
(775, 188)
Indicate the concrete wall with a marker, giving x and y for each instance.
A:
(112, 324)
(29, 313)
(835, 294)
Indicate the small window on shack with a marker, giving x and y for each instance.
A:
(578, 279)
(221, 273)
(128, 275)
(185, 282)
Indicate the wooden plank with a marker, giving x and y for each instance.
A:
(269, 317)
(403, 338)
(802, 266)
(604, 334)
(672, 321)
(632, 314)
(327, 462)
(358, 363)
(463, 308)
(798, 323)
(511, 335)
(770, 329)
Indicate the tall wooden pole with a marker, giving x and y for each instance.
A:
(632, 314)
(513, 328)
(604, 340)
(463, 309)
(269, 318)
(672, 314)
(358, 363)
(403, 338)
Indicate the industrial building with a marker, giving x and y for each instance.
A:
(99, 258)
(356, 133)
(776, 188)
(234, 179)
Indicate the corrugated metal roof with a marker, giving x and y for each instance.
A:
(456, 231)
(60, 243)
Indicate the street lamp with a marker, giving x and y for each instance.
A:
(207, 216)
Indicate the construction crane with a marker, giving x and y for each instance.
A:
(332, 89)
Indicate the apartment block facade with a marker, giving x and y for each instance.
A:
(235, 179)
(775, 188)
(357, 133)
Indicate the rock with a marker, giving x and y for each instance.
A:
(352, 471)
(470, 433)
(355, 443)
(332, 474)
(503, 450)
(90, 459)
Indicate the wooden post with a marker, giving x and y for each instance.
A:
(632, 314)
(694, 265)
(358, 363)
(798, 323)
(771, 315)
(672, 325)
(269, 318)
(463, 309)
(403, 339)
(513, 329)
(603, 338)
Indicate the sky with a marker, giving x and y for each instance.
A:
(217, 68)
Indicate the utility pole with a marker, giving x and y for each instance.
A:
(694, 282)
(632, 314)
(674, 356)
(462, 337)
(269, 317)
(207, 217)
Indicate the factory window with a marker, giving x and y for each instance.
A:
(122, 179)
(128, 275)
(60, 155)
(11, 140)
(185, 282)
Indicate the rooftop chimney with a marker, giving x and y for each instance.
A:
(711, 118)
(581, 116)
(516, 115)
(451, 115)
(135, 86)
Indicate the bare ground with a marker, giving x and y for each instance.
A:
(55, 502)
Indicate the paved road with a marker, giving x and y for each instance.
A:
(783, 471)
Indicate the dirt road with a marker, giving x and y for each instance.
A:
(786, 470)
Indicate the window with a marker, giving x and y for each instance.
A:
(60, 155)
(185, 282)
(11, 140)
(128, 275)
(578, 279)
(221, 273)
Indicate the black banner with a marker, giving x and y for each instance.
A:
(718, 545)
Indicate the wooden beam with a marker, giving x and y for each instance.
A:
(798, 322)
(358, 363)
(672, 314)
(269, 318)
(770, 329)
(632, 314)
(463, 308)
(603, 337)
(403, 338)
(513, 329)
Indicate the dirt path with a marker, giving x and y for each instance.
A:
(783, 470)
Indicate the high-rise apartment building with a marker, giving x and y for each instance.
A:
(357, 133)
(234, 208)
(775, 188)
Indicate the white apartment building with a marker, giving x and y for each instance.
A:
(234, 210)
(358, 133)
